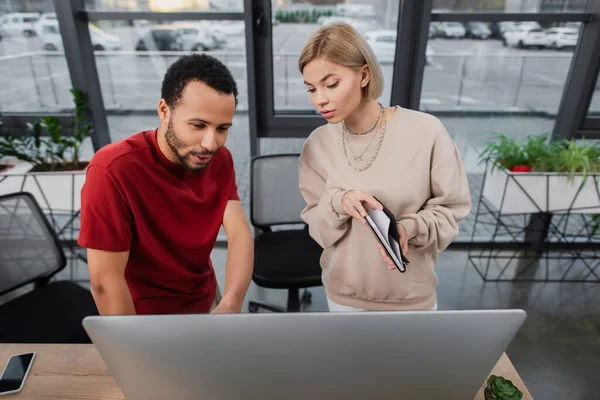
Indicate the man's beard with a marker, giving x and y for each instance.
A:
(185, 159)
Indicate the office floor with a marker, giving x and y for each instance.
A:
(557, 351)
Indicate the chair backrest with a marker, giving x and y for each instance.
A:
(29, 248)
(275, 197)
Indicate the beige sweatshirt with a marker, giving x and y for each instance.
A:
(418, 175)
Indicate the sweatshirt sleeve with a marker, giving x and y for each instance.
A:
(436, 223)
(326, 219)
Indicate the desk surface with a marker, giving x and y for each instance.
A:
(76, 371)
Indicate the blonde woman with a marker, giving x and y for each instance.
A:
(404, 158)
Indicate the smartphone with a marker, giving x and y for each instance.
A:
(15, 373)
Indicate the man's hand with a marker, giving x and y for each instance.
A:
(352, 203)
(403, 245)
(227, 306)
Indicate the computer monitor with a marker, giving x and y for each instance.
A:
(359, 355)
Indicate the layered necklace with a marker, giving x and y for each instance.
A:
(346, 143)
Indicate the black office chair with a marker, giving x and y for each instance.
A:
(30, 253)
(283, 258)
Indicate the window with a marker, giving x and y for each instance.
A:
(294, 24)
(510, 6)
(35, 75)
(165, 5)
(503, 77)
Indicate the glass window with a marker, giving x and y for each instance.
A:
(511, 6)
(500, 78)
(165, 5)
(35, 76)
(138, 53)
(294, 24)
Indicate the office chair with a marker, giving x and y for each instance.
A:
(30, 253)
(284, 257)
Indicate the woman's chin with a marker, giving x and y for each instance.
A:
(334, 120)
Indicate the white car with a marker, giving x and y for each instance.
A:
(454, 30)
(52, 41)
(383, 44)
(560, 38)
(19, 23)
(195, 38)
(525, 37)
(43, 20)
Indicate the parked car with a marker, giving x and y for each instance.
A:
(44, 18)
(498, 29)
(560, 38)
(477, 30)
(19, 23)
(454, 30)
(383, 44)
(160, 38)
(196, 38)
(525, 37)
(52, 40)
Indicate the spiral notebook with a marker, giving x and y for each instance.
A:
(383, 225)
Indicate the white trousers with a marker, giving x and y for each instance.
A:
(335, 307)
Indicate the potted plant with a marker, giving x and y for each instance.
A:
(499, 388)
(51, 168)
(557, 182)
(46, 147)
(507, 153)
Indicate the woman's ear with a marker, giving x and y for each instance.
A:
(365, 75)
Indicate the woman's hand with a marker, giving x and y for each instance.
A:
(403, 245)
(352, 203)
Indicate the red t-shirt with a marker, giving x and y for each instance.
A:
(134, 199)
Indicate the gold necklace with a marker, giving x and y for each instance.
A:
(345, 143)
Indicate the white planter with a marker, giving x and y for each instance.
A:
(58, 191)
(532, 192)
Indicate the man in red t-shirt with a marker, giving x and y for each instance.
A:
(152, 204)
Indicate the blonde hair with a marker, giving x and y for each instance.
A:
(342, 44)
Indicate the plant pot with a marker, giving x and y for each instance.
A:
(58, 190)
(521, 168)
(519, 193)
(5, 167)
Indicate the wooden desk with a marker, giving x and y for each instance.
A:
(76, 371)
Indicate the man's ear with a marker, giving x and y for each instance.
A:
(365, 76)
(164, 111)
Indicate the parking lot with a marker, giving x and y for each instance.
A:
(464, 74)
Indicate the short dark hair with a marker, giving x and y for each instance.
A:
(196, 67)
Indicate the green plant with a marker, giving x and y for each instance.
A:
(564, 156)
(503, 151)
(572, 158)
(53, 151)
(499, 388)
(537, 151)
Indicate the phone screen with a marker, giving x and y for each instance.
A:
(15, 372)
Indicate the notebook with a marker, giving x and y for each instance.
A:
(383, 225)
